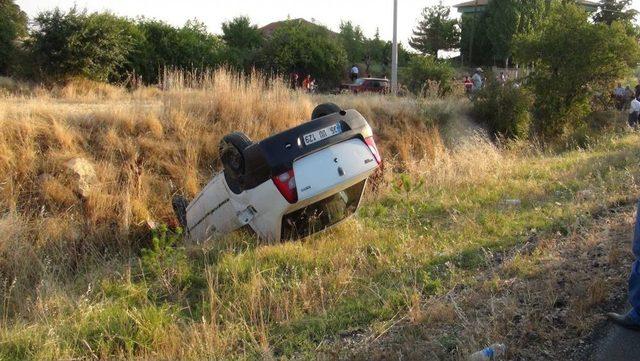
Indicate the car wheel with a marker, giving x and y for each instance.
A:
(325, 109)
(231, 152)
(180, 205)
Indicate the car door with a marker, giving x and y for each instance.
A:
(376, 86)
(366, 86)
(211, 213)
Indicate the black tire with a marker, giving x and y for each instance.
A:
(231, 150)
(180, 205)
(325, 109)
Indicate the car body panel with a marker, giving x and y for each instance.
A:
(268, 204)
(328, 168)
(371, 85)
(212, 213)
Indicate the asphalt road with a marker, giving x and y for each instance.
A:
(618, 344)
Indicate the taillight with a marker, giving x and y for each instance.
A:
(286, 184)
(372, 147)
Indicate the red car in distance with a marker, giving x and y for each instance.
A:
(364, 85)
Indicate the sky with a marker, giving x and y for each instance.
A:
(369, 14)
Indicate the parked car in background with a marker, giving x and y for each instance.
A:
(371, 85)
(289, 185)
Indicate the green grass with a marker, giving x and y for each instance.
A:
(238, 299)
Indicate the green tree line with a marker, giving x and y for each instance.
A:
(105, 47)
(489, 38)
(486, 36)
(574, 61)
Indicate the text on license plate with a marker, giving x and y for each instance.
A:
(323, 133)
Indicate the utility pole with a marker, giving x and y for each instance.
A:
(394, 50)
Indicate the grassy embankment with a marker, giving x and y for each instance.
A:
(76, 283)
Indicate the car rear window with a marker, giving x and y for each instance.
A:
(322, 214)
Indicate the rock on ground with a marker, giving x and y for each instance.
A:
(84, 173)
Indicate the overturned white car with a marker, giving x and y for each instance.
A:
(290, 185)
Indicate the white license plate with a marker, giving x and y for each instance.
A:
(323, 133)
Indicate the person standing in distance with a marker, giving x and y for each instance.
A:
(468, 85)
(354, 73)
(634, 112)
(619, 93)
(477, 80)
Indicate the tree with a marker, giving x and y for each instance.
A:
(475, 44)
(71, 44)
(307, 49)
(508, 18)
(436, 31)
(403, 55)
(243, 41)
(573, 58)
(12, 26)
(374, 51)
(615, 10)
(164, 46)
(353, 41)
(488, 36)
(105, 47)
(377, 53)
(197, 48)
(240, 33)
(156, 50)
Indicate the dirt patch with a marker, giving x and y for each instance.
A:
(544, 299)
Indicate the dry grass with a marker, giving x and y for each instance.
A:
(543, 292)
(145, 145)
(75, 283)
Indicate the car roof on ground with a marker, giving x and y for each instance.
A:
(379, 79)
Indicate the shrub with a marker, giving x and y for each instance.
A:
(71, 44)
(504, 110)
(427, 74)
(573, 58)
(165, 266)
(591, 129)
